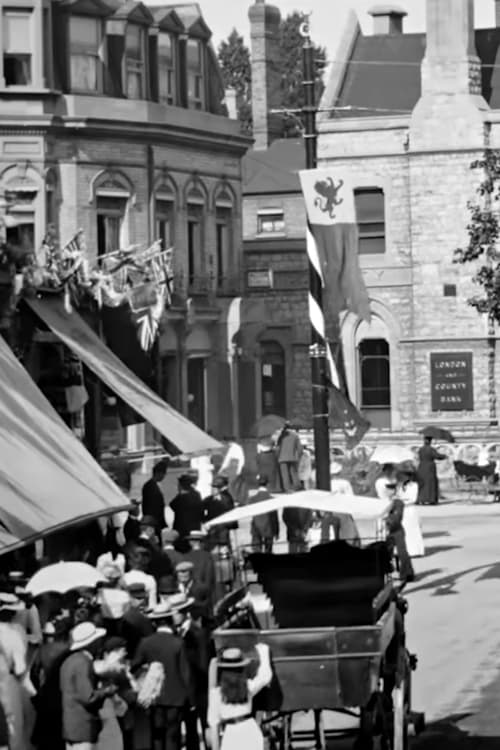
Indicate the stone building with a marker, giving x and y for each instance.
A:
(408, 115)
(112, 120)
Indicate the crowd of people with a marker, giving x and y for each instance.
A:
(124, 664)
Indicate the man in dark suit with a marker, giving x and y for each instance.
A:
(187, 506)
(265, 527)
(132, 526)
(204, 569)
(177, 694)
(153, 502)
(195, 589)
(197, 649)
(219, 502)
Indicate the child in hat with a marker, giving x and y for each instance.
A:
(230, 720)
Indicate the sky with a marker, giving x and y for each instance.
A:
(328, 16)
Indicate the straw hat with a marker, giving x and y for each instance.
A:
(232, 658)
(184, 566)
(84, 634)
(160, 612)
(179, 602)
(197, 535)
(111, 572)
(10, 602)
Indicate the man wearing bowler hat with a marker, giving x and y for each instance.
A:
(192, 588)
(177, 693)
(187, 506)
(153, 502)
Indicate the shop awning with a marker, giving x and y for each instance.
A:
(47, 477)
(81, 339)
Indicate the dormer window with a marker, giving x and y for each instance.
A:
(135, 62)
(85, 35)
(167, 68)
(17, 46)
(195, 74)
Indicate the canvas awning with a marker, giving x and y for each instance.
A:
(47, 477)
(81, 339)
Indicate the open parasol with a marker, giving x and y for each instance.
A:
(63, 577)
(438, 433)
(267, 426)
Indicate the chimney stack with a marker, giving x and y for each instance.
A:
(497, 14)
(387, 19)
(449, 110)
(266, 78)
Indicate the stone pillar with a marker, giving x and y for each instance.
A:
(266, 79)
(449, 113)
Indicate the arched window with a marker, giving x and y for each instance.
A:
(375, 381)
(165, 200)
(273, 379)
(112, 192)
(223, 235)
(195, 203)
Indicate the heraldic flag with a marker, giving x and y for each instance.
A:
(332, 246)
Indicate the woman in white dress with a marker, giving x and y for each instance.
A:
(407, 491)
(230, 703)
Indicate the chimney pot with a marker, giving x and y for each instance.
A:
(387, 19)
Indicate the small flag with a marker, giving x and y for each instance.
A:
(331, 214)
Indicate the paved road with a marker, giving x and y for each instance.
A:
(454, 626)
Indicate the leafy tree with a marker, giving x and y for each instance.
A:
(484, 231)
(234, 59)
(291, 43)
(483, 251)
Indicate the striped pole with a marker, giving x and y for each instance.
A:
(318, 348)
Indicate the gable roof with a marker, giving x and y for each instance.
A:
(275, 169)
(192, 18)
(382, 76)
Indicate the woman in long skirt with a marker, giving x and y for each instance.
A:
(407, 491)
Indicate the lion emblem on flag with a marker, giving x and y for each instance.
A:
(327, 199)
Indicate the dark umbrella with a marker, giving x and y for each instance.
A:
(267, 426)
(438, 433)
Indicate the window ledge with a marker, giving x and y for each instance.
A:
(262, 235)
(29, 91)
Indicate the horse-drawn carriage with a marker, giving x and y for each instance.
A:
(336, 633)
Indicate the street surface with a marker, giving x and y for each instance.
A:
(453, 625)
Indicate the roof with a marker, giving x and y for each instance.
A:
(382, 76)
(275, 169)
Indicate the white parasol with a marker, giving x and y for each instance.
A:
(63, 577)
(359, 507)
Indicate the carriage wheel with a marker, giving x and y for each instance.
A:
(400, 717)
(286, 739)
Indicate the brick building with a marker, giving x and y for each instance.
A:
(411, 112)
(112, 121)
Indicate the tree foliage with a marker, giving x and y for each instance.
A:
(483, 234)
(234, 59)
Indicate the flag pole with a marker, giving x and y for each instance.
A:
(318, 351)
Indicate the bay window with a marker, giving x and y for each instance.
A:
(195, 74)
(85, 38)
(167, 68)
(18, 46)
(135, 62)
